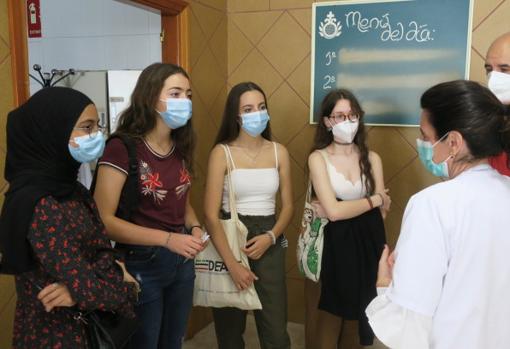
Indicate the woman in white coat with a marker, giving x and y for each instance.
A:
(446, 285)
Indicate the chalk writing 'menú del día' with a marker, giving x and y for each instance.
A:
(389, 31)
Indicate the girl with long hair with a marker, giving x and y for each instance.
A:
(259, 169)
(348, 182)
(162, 232)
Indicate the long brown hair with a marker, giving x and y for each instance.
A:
(229, 129)
(141, 116)
(324, 136)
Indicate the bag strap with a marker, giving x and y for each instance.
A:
(231, 194)
(308, 197)
(131, 191)
(130, 195)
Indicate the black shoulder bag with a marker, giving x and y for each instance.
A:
(104, 329)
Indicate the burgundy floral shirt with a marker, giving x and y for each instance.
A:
(164, 183)
(71, 247)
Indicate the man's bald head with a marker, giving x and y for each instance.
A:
(498, 55)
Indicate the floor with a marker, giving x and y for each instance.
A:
(206, 339)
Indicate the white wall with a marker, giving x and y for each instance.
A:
(95, 35)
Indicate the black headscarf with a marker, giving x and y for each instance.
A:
(38, 164)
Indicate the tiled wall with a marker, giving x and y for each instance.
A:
(95, 35)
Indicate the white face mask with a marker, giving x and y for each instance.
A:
(345, 131)
(499, 84)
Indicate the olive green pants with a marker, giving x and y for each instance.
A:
(271, 320)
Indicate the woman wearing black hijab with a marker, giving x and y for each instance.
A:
(51, 237)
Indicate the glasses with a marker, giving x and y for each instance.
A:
(92, 129)
(341, 117)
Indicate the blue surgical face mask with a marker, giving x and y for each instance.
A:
(90, 147)
(255, 123)
(178, 112)
(426, 153)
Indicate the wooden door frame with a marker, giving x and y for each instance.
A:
(174, 46)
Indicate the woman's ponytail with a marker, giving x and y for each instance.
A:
(505, 129)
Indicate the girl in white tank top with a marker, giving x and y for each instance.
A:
(259, 169)
(255, 188)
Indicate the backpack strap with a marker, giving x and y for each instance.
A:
(130, 195)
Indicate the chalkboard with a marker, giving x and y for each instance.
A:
(388, 53)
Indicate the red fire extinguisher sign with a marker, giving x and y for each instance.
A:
(34, 18)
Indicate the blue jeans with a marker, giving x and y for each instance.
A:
(165, 301)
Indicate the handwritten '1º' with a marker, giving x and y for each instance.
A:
(330, 55)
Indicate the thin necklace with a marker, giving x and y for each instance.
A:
(252, 158)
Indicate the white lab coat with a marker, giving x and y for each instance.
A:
(452, 272)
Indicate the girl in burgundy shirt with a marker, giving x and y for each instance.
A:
(162, 232)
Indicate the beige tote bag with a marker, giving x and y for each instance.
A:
(213, 285)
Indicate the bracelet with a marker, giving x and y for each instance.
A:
(382, 199)
(273, 237)
(194, 226)
(370, 202)
(167, 240)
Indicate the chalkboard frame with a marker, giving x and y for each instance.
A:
(356, 2)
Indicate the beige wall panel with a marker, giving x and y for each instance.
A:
(393, 149)
(482, 9)
(209, 18)
(300, 146)
(293, 272)
(289, 4)
(299, 180)
(7, 290)
(247, 5)
(295, 294)
(289, 114)
(410, 134)
(207, 79)
(217, 4)
(257, 69)
(197, 42)
(392, 224)
(409, 181)
(304, 18)
(285, 45)
(476, 69)
(238, 46)
(218, 46)
(493, 26)
(299, 79)
(216, 113)
(205, 130)
(255, 25)
(6, 319)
